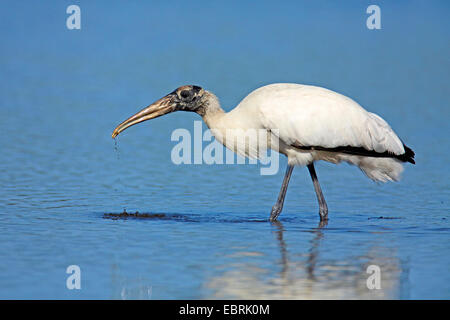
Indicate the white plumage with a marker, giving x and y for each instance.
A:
(312, 116)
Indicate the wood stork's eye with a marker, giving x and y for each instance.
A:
(186, 94)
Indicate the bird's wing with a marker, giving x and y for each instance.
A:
(313, 116)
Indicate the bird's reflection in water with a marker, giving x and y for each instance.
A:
(310, 277)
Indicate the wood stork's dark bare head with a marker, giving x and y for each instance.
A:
(185, 98)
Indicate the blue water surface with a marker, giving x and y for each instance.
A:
(63, 91)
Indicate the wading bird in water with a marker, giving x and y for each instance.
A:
(305, 123)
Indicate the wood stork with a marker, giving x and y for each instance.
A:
(305, 123)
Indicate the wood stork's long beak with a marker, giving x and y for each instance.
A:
(161, 107)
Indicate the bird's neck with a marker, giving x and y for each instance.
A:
(212, 112)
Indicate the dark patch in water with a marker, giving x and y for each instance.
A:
(125, 215)
(386, 218)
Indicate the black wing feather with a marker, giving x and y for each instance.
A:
(408, 156)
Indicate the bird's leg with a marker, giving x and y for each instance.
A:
(276, 209)
(323, 208)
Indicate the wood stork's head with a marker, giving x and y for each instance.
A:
(186, 98)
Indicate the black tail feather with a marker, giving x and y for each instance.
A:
(408, 156)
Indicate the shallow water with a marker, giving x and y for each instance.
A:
(205, 233)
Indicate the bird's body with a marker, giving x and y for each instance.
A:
(310, 123)
(305, 123)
